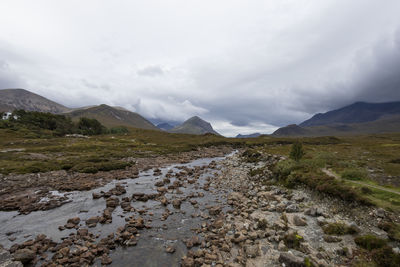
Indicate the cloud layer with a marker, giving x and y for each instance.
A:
(246, 66)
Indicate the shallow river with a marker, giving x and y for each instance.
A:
(150, 249)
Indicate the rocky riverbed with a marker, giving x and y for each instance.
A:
(206, 212)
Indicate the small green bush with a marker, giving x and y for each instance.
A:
(118, 130)
(366, 190)
(393, 229)
(370, 242)
(338, 229)
(251, 156)
(354, 174)
(297, 151)
(293, 240)
(385, 257)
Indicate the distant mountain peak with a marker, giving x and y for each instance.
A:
(253, 135)
(112, 116)
(194, 125)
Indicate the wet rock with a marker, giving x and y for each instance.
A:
(291, 260)
(214, 210)
(112, 202)
(162, 189)
(170, 249)
(176, 203)
(187, 262)
(92, 221)
(83, 232)
(126, 205)
(140, 197)
(106, 260)
(164, 201)
(72, 222)
(24, 255)
(96, 195)
(159, 183)
(193, 241)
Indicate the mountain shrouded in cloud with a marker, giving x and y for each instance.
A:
(261, 65)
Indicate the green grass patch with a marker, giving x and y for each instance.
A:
(338, 229)
(370, 242)
(354, 174)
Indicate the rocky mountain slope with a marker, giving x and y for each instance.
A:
(11, 99)
(165, 126)
(111, 117)
(358, 118)
(358, 112)
(194, 125)
(254, 135)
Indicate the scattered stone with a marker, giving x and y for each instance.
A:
(298, 221)
(332, 239)
(170, 249)
(292, 208)
(176, 203)
(252, 251)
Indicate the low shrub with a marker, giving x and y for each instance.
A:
(393, 229)
(94, 167)
(338, 229)
(381, 253)
(251, 156)
(385, 257)
(297, 151)
(366, 190)
(354, 174)
(293, 240)
(370, 242)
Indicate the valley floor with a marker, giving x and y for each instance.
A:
(195, 210)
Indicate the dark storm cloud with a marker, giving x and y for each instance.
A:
(262, 63)
(375, 78)
(381, 82)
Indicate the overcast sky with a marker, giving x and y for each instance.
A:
(245, 66)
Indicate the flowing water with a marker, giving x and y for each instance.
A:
(150, 249)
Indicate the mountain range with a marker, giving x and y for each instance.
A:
(12, 99)
(253, 135)
(357, 118)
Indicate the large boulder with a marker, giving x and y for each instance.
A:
(291, 260)
(24, 255)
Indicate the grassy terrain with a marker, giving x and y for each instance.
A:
(368, 160)
(24, 152)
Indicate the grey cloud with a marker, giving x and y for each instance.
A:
(264, 62)
(151, 71)
(8, 78)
